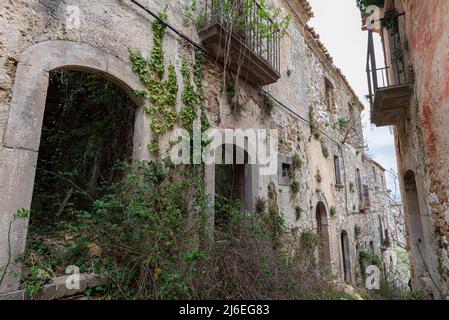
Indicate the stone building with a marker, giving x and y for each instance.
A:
(408, 89)
(316, 112)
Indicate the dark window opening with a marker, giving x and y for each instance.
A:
(375, 175)
(371, 247)
(286, 170)
(359, 185)
(329, 98)
(338, 180)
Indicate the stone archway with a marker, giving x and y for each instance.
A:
(243, 183)
(19, 150)
(323, 226)
(248, 175)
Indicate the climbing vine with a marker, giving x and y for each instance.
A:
(192, 95)
(162, 93)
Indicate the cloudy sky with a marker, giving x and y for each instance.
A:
(339, 25)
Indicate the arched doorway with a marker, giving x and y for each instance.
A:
(346, 257)
(324, 250)
(416, 233)
(87, 138)
(21, 142)
(234, 182)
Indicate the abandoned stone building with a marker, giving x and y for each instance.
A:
(286, 81)
(409, 90)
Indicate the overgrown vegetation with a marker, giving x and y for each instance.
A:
(370, 259)
(314, 129)
(295, 187)
(357, 231)
(144, 226)
(150, 235)
(231, 13)
(351, 187)
(162, 91)
(298, 213)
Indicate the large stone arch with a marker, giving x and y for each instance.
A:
(20, 144)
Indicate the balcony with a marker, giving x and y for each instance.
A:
(390, 88)
(243, 39)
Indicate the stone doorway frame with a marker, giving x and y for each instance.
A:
(346, 261)
(20, 144)
(324, 232)
(251, 184)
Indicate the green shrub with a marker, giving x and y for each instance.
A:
(310, 239)
(295, 187)
(297, 162)
(371, 259)
(298, 212)
(357, 231)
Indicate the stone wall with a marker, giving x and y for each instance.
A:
(421, 140)
(34, 39)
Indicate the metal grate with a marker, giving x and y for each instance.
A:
(245, 20)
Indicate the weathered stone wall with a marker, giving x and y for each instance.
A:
(107, 31)
(421, 136)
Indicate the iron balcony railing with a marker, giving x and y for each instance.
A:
(246, 20)
(392, 70)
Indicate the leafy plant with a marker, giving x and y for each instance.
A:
(352, 187)
(297, 162)
(313, 124)
(341, 124)
(357, 231)
(298, 212)
(161, 93)
(295, 187)
(333, 211)
(371, 259)
(310, 239)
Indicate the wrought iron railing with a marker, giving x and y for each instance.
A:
(246, 20)
(389, 72)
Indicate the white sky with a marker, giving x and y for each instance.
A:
(338, 23)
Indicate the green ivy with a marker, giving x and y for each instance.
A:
(192, 95)
(189, 97)
(295, 187)
(161, 93)
(298, 213)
